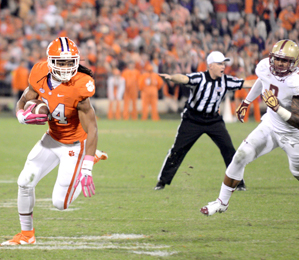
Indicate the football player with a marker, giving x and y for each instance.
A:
(71, 141)
(278, 82)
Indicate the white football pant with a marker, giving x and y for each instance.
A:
(42, 159)
(260, 141)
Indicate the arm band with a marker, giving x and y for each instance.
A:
(88, 162)
(283, 113)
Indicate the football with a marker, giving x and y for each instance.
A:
(40, 107)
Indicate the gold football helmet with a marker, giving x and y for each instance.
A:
(284, 58)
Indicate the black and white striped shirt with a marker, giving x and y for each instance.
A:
(206, 93)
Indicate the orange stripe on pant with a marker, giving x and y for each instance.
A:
(77, 169)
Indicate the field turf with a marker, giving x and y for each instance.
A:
(127, 219)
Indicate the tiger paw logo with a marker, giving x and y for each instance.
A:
(71, 153)
(90, 86)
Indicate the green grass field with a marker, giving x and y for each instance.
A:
(127, 219)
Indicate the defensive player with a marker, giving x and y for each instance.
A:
(71, 141)
(278, 81)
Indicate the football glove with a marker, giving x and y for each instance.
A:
(241, 110)
(270, 100)
(26, 117)
(85, 177)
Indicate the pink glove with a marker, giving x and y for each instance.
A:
(85, 176)
(26, 117)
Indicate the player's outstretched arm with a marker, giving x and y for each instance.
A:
(249, 83)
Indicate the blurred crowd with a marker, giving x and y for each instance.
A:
(170, 36)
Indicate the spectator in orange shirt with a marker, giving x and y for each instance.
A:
(149, 84)
(157, 4)
(131, 76)
(20, 79)
(133, 29)
(288, 17)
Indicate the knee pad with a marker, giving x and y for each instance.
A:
(244, 155)
(27, 178)
(26, 199)
(59, 204)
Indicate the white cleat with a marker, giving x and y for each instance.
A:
(100, 155)
(213, 207)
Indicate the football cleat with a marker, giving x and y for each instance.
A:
(213, 207)
(241, 186)
(23, 238)
(160, 185)
(100, 155)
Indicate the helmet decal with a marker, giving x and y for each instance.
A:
(64, 44)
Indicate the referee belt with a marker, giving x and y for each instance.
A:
(205, 115)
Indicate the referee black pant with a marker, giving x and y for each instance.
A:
(193, 125)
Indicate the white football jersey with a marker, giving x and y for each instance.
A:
(284, 88)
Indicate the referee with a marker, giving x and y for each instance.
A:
(201, 116)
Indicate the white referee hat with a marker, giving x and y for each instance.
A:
(217, 57)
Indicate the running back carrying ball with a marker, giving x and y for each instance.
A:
(40, 108)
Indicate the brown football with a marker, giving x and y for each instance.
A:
(40, 108)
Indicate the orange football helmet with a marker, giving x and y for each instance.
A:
(63, 58)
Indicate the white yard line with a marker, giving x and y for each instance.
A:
(105, 237)
(93, 242)
(155, 253)
(4, 181)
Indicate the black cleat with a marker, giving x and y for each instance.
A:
(241, 186)
(160, 185)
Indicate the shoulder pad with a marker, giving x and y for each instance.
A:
(38, 71)
(263, 68)
(293, 80)
(85, 85)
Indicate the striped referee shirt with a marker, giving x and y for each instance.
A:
(206, 93)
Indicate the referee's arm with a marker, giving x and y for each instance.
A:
(176, 78)
(248, 83)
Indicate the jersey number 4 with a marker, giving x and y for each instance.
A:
(58, 113)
